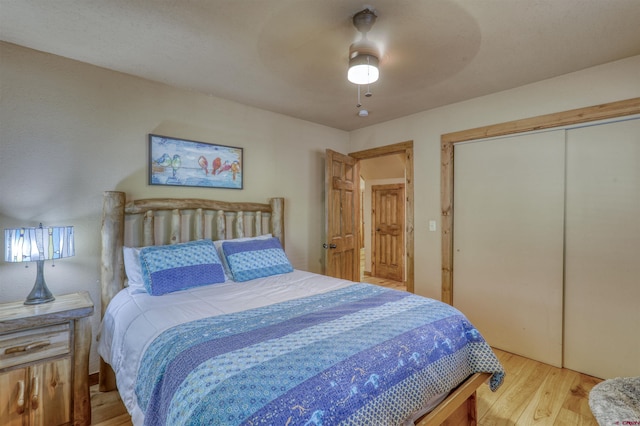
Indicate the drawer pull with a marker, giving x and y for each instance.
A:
(20, 396)
(27, 348)
(34, 392)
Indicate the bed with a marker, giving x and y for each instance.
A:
(264, 343)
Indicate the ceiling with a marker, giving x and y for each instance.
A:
(290, 56)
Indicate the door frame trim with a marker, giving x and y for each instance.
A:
(405, 148)
(547, 121)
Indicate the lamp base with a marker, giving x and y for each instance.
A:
(40, 293)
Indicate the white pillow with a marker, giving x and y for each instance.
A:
(133, 269)
(218, 244)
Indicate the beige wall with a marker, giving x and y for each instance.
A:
(69, 131)
(606, 83)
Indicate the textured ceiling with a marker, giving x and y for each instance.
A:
(290, 56)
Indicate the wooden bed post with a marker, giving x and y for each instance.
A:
(112, 265)
(277, 218)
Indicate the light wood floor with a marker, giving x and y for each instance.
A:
(532, 394)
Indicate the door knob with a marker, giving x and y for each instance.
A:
(329, 246)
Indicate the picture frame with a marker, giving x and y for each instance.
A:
(183, 162)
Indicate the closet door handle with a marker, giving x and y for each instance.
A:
(35, 384)
(20, 396)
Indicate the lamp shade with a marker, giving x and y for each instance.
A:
(42, 243)
(37, 245)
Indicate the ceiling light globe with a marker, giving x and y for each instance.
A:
(363, 74)
(363, 63)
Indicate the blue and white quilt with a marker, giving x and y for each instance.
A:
(358, 355)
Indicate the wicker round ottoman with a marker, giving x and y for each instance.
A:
(616, 401)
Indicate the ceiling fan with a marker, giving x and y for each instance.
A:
(363, 57)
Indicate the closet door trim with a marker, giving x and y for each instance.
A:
(547, 121)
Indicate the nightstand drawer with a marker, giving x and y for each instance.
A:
(32, 345)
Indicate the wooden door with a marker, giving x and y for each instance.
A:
(37, 395)
(508, 242)
(13, 397)
(342, 203)
(387, 215)
(602, 271)
(50, 393)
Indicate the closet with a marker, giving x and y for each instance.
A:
(546, 244)
(602, 250)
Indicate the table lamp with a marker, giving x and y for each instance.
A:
(37, 245)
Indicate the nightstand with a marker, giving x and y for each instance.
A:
(44, 362)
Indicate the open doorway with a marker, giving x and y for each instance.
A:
(388, 168)
(383, 219)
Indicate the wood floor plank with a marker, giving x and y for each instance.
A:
(577, 401)
(514, 400)
(107, 409)
(543, 408)
(571, 418)
(513, 365)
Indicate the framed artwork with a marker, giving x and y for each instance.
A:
(182, 162)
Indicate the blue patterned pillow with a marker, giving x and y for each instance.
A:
(256, 258)
(180, 266)
(218, 244)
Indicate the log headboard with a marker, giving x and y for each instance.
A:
(168, 221)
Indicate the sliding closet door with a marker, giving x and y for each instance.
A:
(508, 241)
(602, 299)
